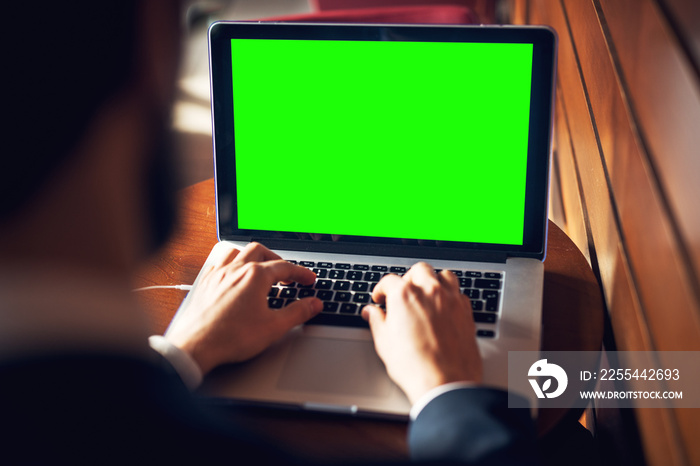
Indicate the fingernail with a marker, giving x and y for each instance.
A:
(365, 313)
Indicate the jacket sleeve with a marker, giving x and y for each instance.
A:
(474, 426)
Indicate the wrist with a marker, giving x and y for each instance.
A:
(203, 359)
(429, 396)
(184, 364)
(435, 377)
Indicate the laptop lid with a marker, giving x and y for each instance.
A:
(415, 141)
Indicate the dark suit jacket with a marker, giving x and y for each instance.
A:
(108, 409)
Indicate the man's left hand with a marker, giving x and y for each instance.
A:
(228, 319)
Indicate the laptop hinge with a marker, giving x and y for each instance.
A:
(330, 408)
(394, 250)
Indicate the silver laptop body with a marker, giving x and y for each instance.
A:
(333, 367)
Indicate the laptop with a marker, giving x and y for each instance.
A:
(359, 150)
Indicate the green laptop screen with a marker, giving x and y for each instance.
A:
(416, 140)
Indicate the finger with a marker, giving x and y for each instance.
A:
(448, 278)
(421, 274)
(295, 314)
(468, 305)
(385, 285)
(283, 271)
(375, 316)
(208, 271)
(256, 252)
(227, 256)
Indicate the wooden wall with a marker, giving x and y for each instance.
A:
(626, 179)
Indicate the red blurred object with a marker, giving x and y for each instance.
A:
(420, 14)
(484, 9)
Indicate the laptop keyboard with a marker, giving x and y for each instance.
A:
(346, 288)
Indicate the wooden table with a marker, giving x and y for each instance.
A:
(572, 321)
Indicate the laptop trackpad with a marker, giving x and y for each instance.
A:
(348, 367)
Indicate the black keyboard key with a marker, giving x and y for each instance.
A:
(324, 295)
(307, 264)
(305, 293)
(487, 284)
(492, 305)
(324, 265)
(497, 275)
(321, 273)
(288, 293)
(372, 276)
(361, 298)
(477, 305)
(360, 267)
(342, 296)
(465, 282)
(379, 268)
(354, 275)
(336, 274)
(490, 294)
(275, 303)
(273, 292)
(343, 266)
(396, 269)
(330, 307)
(341, 285)
(323, 284)
(472, 274)
(458, 273)
(292, 262)
(484, 317)
(360, 286)
(472, 293)
(485, 333)
(348, 308)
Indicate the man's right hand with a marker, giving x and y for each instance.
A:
(426, 337)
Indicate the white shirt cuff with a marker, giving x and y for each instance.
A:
(186, 367)
(434, 393)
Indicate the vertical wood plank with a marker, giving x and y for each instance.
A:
(656, 426)
(571, 200)
(685, 17)
(662, 279)
(584, 145)
(556, 207)
(632, 212)
(518, 11)
(664, 93)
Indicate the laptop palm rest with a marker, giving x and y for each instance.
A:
(347, 367)
(314, 367)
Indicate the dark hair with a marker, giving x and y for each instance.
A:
(63, 60)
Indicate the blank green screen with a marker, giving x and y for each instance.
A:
(389, 139)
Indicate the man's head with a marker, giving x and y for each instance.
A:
(88, 101)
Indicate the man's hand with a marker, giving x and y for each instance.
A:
(426, 337)
(228, 319)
